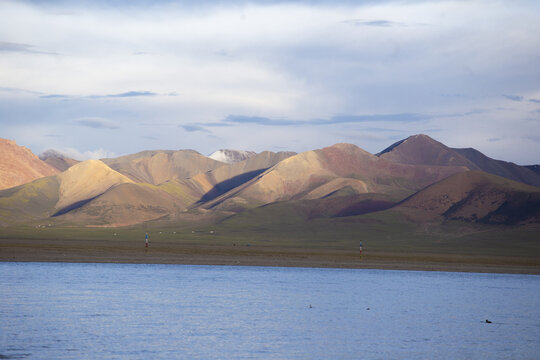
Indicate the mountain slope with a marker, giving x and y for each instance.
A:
(501, 168)
(159, 166)
(227, 177)
(18, 165)
(30, 201)
(125, 204)
(423, 150)
(535, 168)
(476, 196)
(85, 181)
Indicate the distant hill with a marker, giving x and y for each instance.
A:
(57, 160)
(423, 150)
(318, 173)
(228, 177)
(478, 197)
(158, 166)
(501, 168)
(125, 204)
(85, 181)
(18, 165)
(231, 156)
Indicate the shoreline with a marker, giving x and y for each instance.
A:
(86, 251)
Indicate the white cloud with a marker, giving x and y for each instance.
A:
(86, 155)
(297, 61)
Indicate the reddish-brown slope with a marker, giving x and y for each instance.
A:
(125, 204)
(501, 168)
(423, 150)
(476, 196)
(18, 165)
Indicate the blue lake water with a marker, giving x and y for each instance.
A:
(122, 311)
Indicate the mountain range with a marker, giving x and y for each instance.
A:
(419, 181)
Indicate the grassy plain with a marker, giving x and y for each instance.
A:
(276, 237)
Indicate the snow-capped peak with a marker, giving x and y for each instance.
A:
(231, 156)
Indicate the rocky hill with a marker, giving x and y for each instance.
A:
(18, 165)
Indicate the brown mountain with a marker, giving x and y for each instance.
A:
(84, 181)
(125, 204)
(318, 173)
(158, 166)
(501, 168)
(57, 160)
(18, 165)
(423, 150)
(227, 177)
(476, 196)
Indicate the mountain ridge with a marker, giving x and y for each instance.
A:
(341, 180)
(423, 150)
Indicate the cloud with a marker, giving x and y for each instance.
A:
(537, 101)
(149, 137)
(54, 96)
(233, 67)
(84, 155)
(96, 123)
(339, 119)
(15, 47)
(127, 94)
(214, 124)
(376, 23)
(514, 97)
(19, 91)
(404, 117)
(22, 48)
(259, 120)
(194, 128)
(124, 95)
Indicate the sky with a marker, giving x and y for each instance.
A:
(97, 79)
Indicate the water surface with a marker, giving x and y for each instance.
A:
(122, 311)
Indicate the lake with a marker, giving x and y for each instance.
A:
(123, 311)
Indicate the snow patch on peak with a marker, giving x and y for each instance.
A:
(231, 156)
